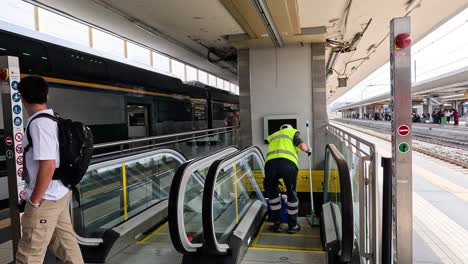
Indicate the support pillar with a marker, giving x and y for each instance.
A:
(245, 102)
(319, 105)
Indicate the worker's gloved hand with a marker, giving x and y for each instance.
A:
(309, 153)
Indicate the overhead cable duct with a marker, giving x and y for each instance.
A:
(265, 16)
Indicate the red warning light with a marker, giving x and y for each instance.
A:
(190, 238)
(402, 41)
(4, 74)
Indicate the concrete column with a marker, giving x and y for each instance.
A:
(319, 105)
(361, 111)
(429, 106)
(245, 102)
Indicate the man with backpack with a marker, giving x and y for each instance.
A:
(46, 218)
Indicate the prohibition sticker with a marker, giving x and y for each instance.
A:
(403, 147)
(18, 137)
(403, 130)
(19, 148)
(19, 160)
(20, 172)
(9, 141)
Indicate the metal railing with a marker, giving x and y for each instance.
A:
(361, 156)
(194, 137)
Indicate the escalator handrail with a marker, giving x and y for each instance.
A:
(211, 243)
(177, 197)
(95, 240)
(346, 195)
(120, 159)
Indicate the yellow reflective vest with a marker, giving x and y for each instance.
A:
(281, 145)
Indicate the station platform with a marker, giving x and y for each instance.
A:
(449, 132)
(439, 194)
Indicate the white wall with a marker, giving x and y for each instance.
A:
(280, 83)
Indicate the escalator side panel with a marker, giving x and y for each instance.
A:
(119, 237)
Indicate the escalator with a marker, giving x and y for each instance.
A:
(235, 222)
(124, 205)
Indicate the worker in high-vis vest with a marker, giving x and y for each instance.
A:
(282, 163)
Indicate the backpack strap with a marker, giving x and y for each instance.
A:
(28, 135)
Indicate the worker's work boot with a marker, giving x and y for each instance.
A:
(276, 227)
(294, 230)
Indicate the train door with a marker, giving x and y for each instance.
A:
(138, 123)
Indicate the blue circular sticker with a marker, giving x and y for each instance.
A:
(14, 85)
(16, 97)
(17, 109)
(18, 121)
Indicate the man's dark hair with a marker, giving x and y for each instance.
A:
(34, 89)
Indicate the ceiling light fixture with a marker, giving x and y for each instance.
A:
(267, 20)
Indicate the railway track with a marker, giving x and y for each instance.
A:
(387, 137)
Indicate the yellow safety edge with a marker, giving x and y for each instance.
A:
(302, 181)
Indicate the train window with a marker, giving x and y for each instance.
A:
(138, 54)
(191, 73)
(107, 43)
(218, 111)
(137, 119)
(161, 62)
(89, 67)
(62, 27)
(32, 54)
(199, 111)
(18, 12)
(203, 77)
(178, 69)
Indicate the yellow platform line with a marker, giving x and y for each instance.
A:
(277, 249)
(155, 243)
(287, 235)
(258, 235)
(154, 232)
(288, 248)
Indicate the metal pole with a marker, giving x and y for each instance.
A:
(13, 124)
(400, 75)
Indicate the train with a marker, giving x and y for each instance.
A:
(116, 100)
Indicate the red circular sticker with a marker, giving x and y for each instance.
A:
(19, 160)
(9, 141)
(403, 130)
(20, 172)
(19, 149)
(19, 137)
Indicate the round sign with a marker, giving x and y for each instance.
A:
(403, 130)
(19, 160)
(9, 154)
(18, 137)
(14, 85)
(16, 97)
(20, 172)
(9, 141)
(17, 109)
(19, 148)
(403, 147)
(18, 121)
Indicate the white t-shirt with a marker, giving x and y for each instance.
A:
(44, 134)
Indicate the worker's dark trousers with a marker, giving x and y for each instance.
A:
(276, 169)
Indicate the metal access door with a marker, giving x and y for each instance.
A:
(138, 125)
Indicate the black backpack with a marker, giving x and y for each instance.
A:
(76, 149)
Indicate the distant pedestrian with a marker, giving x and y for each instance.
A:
(455, 117)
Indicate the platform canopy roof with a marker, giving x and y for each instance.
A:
(357, 28)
